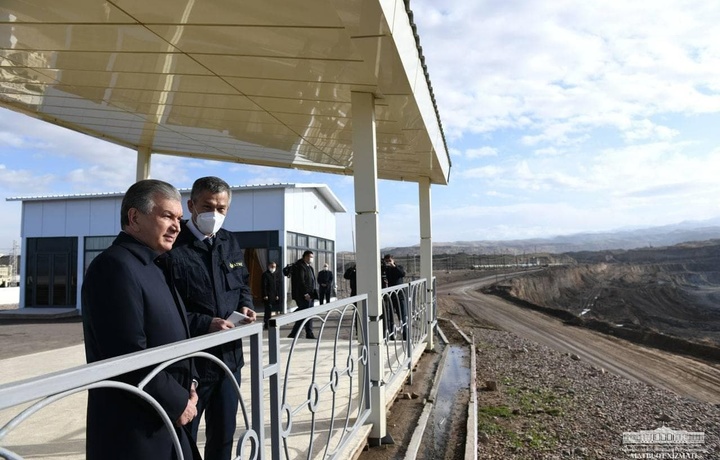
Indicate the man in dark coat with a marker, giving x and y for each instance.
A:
(395, 276)
(128, 306)
(325, 280)
(304, 291)
(210, 275)
(351, 275)
(271, 291)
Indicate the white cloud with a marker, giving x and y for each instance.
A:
(549, 151)
(542, 64)
(9, 139)
(481, 152)
(482, 172)
(23, 182)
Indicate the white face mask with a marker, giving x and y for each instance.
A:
(272, 270)
(209, 222)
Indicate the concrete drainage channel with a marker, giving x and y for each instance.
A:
(436, 434)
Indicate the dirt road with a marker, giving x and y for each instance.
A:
(683, 375)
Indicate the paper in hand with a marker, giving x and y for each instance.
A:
(237, 318)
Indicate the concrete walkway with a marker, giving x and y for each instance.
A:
(58, 431)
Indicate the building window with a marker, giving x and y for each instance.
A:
(322, 248)
(302, 241)
(94, 245)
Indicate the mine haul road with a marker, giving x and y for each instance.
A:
(680, 374)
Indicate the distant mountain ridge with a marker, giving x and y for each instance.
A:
(665, 235)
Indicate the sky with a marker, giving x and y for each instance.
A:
(561, 117)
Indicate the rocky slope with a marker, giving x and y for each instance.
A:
(667, 297)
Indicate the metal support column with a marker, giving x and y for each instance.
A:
(368, 252)
(143, 163)
(426, 262)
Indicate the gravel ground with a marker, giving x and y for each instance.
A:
(550, 405)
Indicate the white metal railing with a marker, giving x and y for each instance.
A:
(327, 393)
(45, 390)
(308, 397)
(406, 326)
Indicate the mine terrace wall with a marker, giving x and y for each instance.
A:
(562, 292)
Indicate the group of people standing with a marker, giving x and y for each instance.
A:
(162, 280)
(394, 305)
(165, 279)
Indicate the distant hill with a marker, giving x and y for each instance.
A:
(665, 235)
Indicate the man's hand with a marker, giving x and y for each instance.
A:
(190, 410)
(219, 324)
(307, 296)
(250, 313)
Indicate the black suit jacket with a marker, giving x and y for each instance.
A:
(271, 285)
(128, 306)
(303, 281)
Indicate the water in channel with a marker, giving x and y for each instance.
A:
(455, 381)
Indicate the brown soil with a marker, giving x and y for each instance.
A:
(572, 400)
(673, 298)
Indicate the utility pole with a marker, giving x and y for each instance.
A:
(13, 265)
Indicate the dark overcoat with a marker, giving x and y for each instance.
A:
(303, 281)
(271, 285)
(128, 306)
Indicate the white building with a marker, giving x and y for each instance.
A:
(62, 234)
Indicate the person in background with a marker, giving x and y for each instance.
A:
(351, 275)
(210, 275)
(325, 280)
(129, 305)
(271, 291)
(395, 276)
(304, 291)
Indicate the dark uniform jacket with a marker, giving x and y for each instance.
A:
(127, 306)
(303, 281)
(271, 285)
(212, 283)
(351, 275)
(395, 275)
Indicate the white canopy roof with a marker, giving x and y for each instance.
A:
(264, 82)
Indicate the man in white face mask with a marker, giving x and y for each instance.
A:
(209, 272)
(271, 291)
